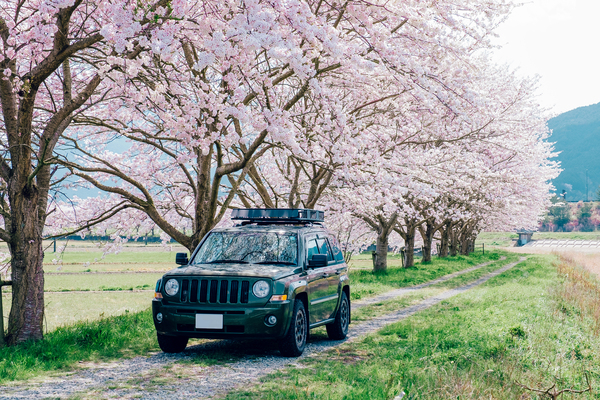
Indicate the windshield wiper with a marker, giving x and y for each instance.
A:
(227, 261)
(276, 262)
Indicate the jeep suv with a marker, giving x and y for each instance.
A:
(276, 274)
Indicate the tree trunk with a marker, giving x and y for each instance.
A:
(453, 235)
(27, 311)
(427, 235)
(464, 245)
(466, 239)
(381, 252)
(445, 239)
(383, 227)
(409, 247)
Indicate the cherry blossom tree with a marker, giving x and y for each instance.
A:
(490, 167)
(196, 123)
(403, 105)
(55, 57)
(261, 78)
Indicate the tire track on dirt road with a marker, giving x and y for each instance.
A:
(134, 378)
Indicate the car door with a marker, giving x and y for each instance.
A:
(318, 284)
(332, 274)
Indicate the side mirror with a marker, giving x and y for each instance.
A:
(318, 260)
(181, 259)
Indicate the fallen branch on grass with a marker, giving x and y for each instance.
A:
(553, 393)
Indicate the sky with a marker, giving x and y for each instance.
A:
(558, 41)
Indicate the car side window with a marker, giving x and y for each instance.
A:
(335, 247)
(311, 248)
(324, 248)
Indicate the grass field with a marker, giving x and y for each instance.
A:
(568, 235)
(497, 239)
(119, 291)
(141, 256)
(506, 239)
(63, 309)
(106, 282)
(113, 267)
(365, 283)
(479, 345)
(62, 349)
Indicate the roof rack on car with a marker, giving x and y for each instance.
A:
(278, 215)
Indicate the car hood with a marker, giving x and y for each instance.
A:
(234, 269)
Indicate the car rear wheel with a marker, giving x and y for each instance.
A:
(294, 342)
(339, 328)
(172, 344)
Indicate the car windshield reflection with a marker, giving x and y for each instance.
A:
(249, 247)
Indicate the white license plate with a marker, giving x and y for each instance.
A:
(209, 321)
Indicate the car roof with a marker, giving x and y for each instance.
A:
(273, 228)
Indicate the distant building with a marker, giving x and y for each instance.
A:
(524, 237)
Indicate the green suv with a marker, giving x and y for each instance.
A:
(275, 275)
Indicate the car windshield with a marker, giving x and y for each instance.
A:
(249, 247)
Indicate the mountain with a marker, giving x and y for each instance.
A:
(576, 134)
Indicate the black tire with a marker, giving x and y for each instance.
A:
(294, 342)
(339, 328)
(172, 344)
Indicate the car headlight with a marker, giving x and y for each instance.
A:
(261, 289)
(172, 287)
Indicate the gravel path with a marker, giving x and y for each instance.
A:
(402, 291)
(160, 377)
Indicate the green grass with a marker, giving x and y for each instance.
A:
(365, 260)
(115, 267)
(85, 257)
(109, 338)
(366, 283)
(473, 346)
(385, 307)
(508, 239)
(106, 282)
(70, 308)
(567, 235)
(138, 257)
(497, 239)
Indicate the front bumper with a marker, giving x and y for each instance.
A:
(242, 323)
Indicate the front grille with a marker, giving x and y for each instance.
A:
(203, 290)
(233, 296)
(224, 288)
(184, 290)
(194, 291)
(212, 290)
(245, 291)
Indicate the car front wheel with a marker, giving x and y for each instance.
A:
(172, 344)
(294, 342)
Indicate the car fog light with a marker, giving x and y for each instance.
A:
(159, 317)
(271, 320)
